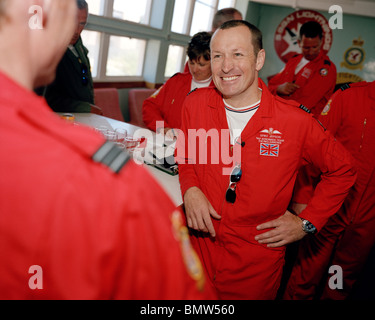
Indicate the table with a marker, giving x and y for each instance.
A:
(170, 183)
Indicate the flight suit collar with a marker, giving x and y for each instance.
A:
(256, 123)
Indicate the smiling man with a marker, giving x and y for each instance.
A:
(309, 77)
(238, 212)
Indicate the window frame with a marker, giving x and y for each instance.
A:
(157, 34)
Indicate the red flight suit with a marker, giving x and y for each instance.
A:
(70, 228)
(238, 266)
(350, 116)
(166, 103)
(317, 81)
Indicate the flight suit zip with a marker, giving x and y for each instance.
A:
(363, 133)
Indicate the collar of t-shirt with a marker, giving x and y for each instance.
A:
(301, 64)
(238, 118)
(200, 84)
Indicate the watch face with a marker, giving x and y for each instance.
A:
(308, 227)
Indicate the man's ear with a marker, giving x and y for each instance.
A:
(45, 5)
(261, 58)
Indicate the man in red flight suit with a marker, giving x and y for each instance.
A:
(74, 222)
(348, 236)
(310, 77)
(165, 105)
(240, 220)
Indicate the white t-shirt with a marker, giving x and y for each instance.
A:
(238, 118)
(200, 84)
(301, 64)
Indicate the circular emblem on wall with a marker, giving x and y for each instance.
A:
(354, 56)
(286, 35)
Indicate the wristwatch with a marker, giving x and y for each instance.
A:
(308, 227)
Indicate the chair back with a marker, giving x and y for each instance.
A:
(108, 100)
(136, 98)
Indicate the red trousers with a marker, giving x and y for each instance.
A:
(354, 237)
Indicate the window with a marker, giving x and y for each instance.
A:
(137, 11)
(204, 11)
(192, 16)
(226, 4)
(125, 57)
(129, 40)
(176, 55)
(91, 39)
(181, 16)
(96, 7)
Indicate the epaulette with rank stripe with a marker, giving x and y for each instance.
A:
(111, 156)
(345, 86)
(304, 108)
(354, 85)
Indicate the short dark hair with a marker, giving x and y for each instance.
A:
(224, 15)
(257, 38)
(199, 46)
(311, 29)
(82, 4)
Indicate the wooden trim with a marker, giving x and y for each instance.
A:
(127, 85)
(120, 85)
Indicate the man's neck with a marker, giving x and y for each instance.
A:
(251, 96)
(16, 68)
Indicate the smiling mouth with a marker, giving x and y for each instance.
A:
(230, 78)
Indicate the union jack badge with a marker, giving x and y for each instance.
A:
(269, 150)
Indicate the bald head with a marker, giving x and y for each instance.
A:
(225, 15)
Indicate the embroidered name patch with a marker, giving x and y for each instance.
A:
(270, 141)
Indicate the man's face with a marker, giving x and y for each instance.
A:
(234, 64)
(310, 47)
(81, 23)
(200, 68)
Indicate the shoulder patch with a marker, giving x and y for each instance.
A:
(304, 108)
(191, 259)
(327, 107)
(323, 72)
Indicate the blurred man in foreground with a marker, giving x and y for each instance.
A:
(74, 223)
